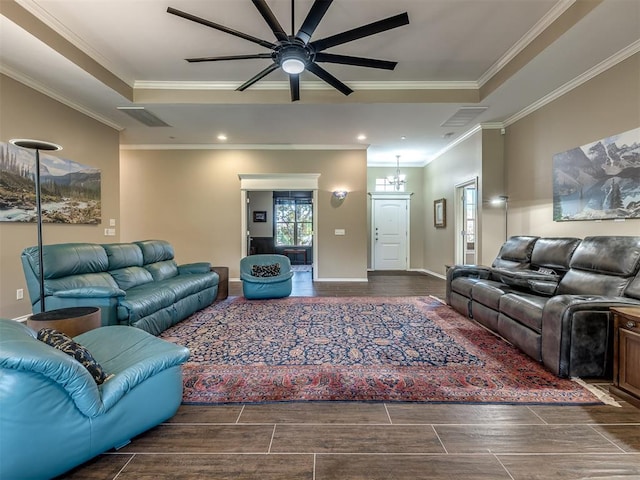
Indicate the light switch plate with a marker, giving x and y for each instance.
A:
(339, 231)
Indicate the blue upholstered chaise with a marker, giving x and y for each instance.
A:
(53, 415)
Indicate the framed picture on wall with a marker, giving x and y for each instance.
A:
(260, 216)
(439, 213)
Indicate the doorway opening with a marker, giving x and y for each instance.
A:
(278, 216)
(281, 222)
(466, 221)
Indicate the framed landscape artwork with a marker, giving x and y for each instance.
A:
(70, 191)
(599, 180)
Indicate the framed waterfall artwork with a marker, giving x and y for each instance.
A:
(69, 191)
(599, 180)
(440, 213)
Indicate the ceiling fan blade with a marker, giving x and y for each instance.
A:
(230, 57)
(257, 77)
(360, 32)
(294, 85)
(271, 20)
(356, 61)
(317, 11)
(321, 73)
(219, 27)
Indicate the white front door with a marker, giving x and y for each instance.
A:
(390, 233)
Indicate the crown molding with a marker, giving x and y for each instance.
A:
(215, 146)
(39, 87)
(466, 135)
(544, 23)
(576, 82)
(35, 9)
(306, 85)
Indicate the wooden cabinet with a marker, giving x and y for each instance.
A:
(626, 354)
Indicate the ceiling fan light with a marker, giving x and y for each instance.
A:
(293, 65)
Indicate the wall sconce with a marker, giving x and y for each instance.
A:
(340, 194)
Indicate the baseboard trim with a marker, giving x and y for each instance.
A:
(341, 280)
(22, 319)
(428, 272)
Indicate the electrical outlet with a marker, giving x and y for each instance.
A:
(19, 294)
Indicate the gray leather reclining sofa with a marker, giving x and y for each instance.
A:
(550, 297)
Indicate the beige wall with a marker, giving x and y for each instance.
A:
(415, 187)
(25, 113)
(479, 156)
(260, 201)
(606, 105)
(192, 198)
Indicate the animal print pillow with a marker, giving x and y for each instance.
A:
(272, 270)
(66, 344)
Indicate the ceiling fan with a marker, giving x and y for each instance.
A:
(297, 53)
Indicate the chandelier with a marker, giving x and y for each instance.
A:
(398, 179)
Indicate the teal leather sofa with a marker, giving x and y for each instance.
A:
(137, 284)
(53, 415)
(263, 287)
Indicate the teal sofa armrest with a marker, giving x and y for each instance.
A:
(22, 352)
(198, 267)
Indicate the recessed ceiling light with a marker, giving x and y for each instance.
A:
(403, 137)
(362, 136)
(222, 136)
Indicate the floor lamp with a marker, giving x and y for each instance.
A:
(499, 200)
(38, 145)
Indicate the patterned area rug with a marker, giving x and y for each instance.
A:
(369, 349)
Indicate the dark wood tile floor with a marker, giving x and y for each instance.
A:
(338, 440)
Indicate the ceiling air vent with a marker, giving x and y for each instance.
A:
(144, 116)
(463, 116)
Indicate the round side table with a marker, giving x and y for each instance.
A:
(72, 321)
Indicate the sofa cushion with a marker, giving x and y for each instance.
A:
(66, 344)
(488, 292)
(271, 270)
(122, 255)
(553, 253)
(130, 277)
(162, 270)
(79, 281)
(463, 285)
(608, 255)
(66, 259)
(155, 251)
(144, 300)
(524, 308)
(184, 285)
(515, 252)
(579, 282)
